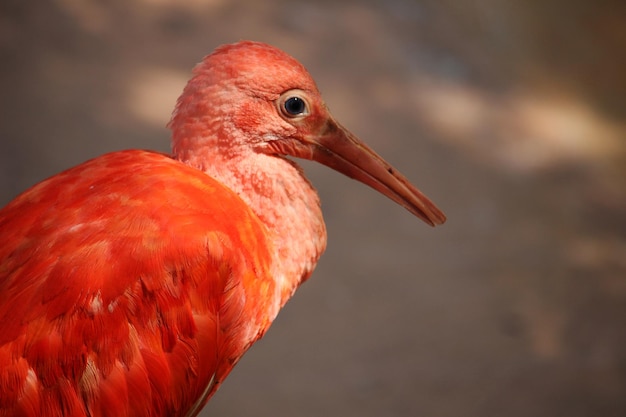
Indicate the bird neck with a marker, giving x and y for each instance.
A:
(285, 202)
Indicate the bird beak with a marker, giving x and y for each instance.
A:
(337, 148)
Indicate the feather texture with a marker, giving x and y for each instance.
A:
(84, 330)
(131, 284)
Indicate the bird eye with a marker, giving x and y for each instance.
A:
(293, 105)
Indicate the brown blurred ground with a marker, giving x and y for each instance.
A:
(510, 115)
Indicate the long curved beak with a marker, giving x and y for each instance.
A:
(339, 149)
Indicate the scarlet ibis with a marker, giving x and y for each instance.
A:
(130, 285)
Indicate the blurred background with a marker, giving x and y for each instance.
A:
(510, 115)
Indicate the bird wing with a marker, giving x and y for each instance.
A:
(129, 285)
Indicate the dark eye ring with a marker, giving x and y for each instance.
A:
(293, 104)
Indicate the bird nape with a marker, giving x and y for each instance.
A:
(130, 285)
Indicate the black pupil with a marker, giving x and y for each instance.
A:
(294, 106)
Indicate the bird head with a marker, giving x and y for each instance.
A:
(253, 96)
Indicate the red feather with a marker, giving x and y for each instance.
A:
(130, 285)
(98, 329)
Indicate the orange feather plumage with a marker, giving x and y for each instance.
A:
(131, 284)
(118, 307)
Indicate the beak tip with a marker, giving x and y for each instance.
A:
(428, 212)
(436, 220)
(440, 219)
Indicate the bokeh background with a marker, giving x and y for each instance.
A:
(510, 115)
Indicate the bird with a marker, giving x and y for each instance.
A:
(131, 284)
